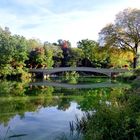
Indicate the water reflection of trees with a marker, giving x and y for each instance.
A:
(12, 88)
(18, 98)
(94, 99)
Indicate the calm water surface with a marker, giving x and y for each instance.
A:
(42, 110)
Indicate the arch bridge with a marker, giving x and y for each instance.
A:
(107, 72)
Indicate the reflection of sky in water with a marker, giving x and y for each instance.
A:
(45, 124)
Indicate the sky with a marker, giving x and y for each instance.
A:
(50, 20)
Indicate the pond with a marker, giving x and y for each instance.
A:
(43, 110)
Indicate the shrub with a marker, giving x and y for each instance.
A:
(119, 121)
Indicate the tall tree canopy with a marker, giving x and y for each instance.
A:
(92, 53)
(124, 33)
(13, 53)
(6, 50)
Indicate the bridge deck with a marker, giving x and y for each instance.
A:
(85, 69)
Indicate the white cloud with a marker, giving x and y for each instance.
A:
(72, 25)
(32, 2)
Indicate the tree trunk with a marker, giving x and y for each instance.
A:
(135, 62)
(135, 58)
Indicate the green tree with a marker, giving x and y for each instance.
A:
(75, 56)
(119, 57)
(41, 57)
(49, 55)
(6, 51)
(19, 55)
(37, 58)
(34, 43)
(124, 33)
(57, 54)
(97, 55)
(87, 45)
(13, 53)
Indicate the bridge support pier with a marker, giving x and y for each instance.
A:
(110, 75)
(45, 76)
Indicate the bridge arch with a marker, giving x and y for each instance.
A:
(79, 69)
(107, 72)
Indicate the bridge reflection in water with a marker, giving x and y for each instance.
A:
(78, 86)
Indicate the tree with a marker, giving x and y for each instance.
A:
(119, 57)
(37, 58)
(13, 53)
(65, 46)
(75, 56)
(6, 50)
(20, 54)
(49, 55)
(124, 33)
(89, 48)
(34, 43)
(57, 55)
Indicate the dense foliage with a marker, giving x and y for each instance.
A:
(13, 53)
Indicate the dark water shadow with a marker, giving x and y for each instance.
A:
(78, 86)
